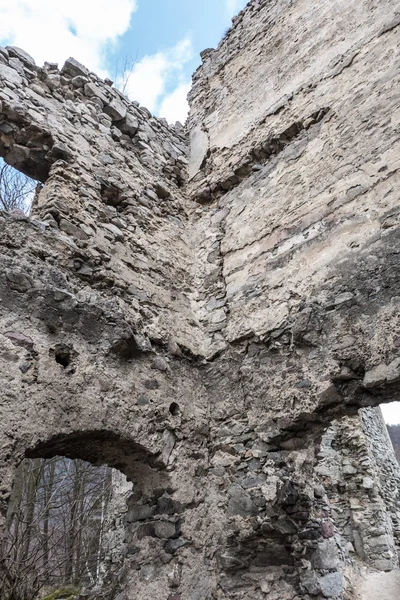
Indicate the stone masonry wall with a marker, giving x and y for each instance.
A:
(362, 479)
(98, 335)
(202, 328)
(294, 166)
(114, 541)
(394, 433)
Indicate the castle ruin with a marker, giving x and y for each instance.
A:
(215, 311)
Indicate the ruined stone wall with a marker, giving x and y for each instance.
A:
(293, 163)
(362, 478)
(98, 335)
(394, 433)
(114, 542)
(200, 329)
(281, 127)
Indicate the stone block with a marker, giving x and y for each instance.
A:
(240, 502)
(128, 125)
(332, 585)
(23, 56)
(73, 68)
(93, 91)
(116, 110)
(326, 555)
(139, 513)
(164, 529)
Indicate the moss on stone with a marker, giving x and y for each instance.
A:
(65, 593)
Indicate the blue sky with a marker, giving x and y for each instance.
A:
(159, 40)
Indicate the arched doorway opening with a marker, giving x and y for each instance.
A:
(79, 505)
(61, 531)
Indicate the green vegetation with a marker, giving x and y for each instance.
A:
(65, 593)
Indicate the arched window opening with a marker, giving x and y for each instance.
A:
(62, 529)
(17, 191)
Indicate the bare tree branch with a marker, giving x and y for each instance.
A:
(16, 189)
(55, 527)
(123, 72)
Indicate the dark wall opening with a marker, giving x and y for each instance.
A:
(65, 522)
(59, 528)
(17, 191)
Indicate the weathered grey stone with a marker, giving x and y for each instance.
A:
(73, 68)
(116, 110)
(169, 441)
(332, 585)
(79, 81)
(17, 155)
(326, 556)
(159, 364)
(129, 124)
(173, 545)
(21, 55)
(9, 75)
(73, 230)
(18, 65)
(164, 529)
(139, 513)
(311, 583)
(240, 502)
(382, 374)
(168, 506)
(253, 481)
(19, 281)
(115, 231)
(19, 339)
(199, 145)
(53, 80)
(94, 91)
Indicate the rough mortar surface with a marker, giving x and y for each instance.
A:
(380, 586)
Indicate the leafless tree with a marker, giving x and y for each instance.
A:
(55, 527)
(16, 189)
(123, 72)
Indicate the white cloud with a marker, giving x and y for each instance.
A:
(391, 413)
(150, 78)
(174, 106)
(53, 30)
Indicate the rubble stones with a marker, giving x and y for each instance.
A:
(382, 374)
(240, 502)
(129, 124)
(164, 529)
(23, 56)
